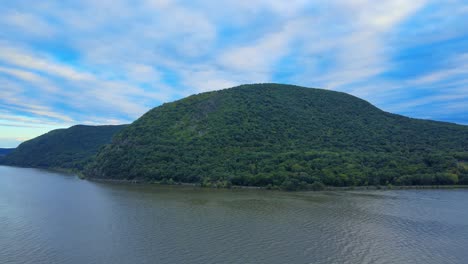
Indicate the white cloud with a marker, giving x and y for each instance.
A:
(84, 92)
(30, 77)
(142, 72)
(260, 56)
(208, 79)
(381, 16)
(454, 67)
(19, 58)
(360, 50)
(28, 23)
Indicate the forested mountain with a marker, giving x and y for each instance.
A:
(4, 151)
(283, 135)
(62, 148)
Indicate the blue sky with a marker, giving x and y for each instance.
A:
(108, 62)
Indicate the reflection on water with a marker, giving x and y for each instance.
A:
(54, 218)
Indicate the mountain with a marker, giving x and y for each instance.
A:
(283, 135)
(5, 151)
(62, 148)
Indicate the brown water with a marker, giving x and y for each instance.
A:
(54, 218)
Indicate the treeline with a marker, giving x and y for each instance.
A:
(302, 170)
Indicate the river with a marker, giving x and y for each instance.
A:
(48, 217)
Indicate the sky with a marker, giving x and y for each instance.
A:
(109, 61)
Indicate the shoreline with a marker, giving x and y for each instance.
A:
(181, 184)
(326, 188)
(198, 185)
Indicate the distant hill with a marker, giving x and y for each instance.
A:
(286, 136)
(4, 151)
(62, 148)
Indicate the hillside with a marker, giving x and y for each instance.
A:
(4, 151)
(282, 135)
(62, 148)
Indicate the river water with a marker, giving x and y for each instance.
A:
(50, 217)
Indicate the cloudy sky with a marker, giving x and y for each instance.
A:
(109, 61)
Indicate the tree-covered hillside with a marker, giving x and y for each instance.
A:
(282, 135)
(4, 151)
(62, 148)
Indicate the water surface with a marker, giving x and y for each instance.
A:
(55, 218)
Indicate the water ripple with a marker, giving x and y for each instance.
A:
(53, 218)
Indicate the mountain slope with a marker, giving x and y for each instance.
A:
(270, 134)
(62, 148)
(5, 151)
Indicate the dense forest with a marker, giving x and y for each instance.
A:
(282, 136)
(68, 148)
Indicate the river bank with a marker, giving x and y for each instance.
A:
(325, 188)
(215, 186)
